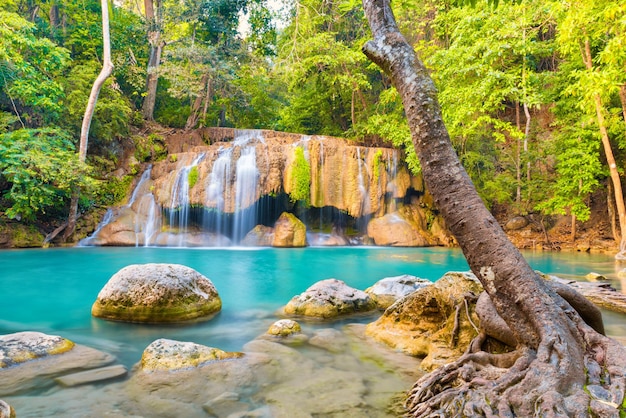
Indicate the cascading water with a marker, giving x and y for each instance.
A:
(217, 191)
(179, 208)
(139, 194)
(246, 194)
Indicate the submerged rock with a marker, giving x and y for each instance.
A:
(168, 355)
(328, 299)
(422, 323)
(387, 291)
(157, 293)
(55, 356)
(284, 328)
(289, 231)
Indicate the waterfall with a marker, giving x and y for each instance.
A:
(247, 175)
(217, 191)
(140, 192)
(108, 217)
(179, 208)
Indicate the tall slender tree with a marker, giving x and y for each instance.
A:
(107, 70)
(558, 355)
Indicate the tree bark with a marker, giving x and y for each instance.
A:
(156, 47)
(192, 120)
(548, 373)
(610, 159)
(107, 69)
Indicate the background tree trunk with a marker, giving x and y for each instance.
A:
(610, 159)
(156, 46)
(548, 368)
(107, 69)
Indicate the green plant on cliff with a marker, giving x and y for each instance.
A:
(300, 178)
(378, 159)
(192, 177)
(149, 148)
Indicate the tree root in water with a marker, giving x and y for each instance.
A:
(542, 383)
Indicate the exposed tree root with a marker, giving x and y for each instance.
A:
(548, 382)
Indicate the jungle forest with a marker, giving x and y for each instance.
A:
(533, 93)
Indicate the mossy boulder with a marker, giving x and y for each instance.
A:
(289, 231)
(17, 235)
(157, 293)
(170, 355)
(6, 410)
(329, 298)
(284, 328)
(422, 324)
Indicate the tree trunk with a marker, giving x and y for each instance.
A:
(107, 69)
(610, 159)
(547, 372)
(156, 47)
(622, 99)
(192, 120)
(518, 160)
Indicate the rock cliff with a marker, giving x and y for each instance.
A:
(217, 184)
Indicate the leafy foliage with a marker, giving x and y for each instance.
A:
(42, 169)
(300, 178)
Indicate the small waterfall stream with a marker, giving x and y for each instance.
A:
(179, 207)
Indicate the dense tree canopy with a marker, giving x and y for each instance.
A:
(521, 101)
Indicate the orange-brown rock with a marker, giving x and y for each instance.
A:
(289, 231)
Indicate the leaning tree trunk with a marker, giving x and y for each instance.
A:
(107, 69)
(556, 349)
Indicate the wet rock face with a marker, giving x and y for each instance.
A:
(289, 231)
(329, 299)
(169, 355)
(422, 323)
(157, 293)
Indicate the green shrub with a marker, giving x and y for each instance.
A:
(300, 178)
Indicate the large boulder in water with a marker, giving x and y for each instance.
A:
(157, 293)
(432, 322)
(289, 231)
(169, 355)
(328, 299)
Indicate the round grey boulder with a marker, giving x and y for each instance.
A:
(329, 298)
(387, 291)
(168, 355)
(157, 293)
(6, 411)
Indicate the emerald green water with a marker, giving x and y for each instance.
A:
(52, 290)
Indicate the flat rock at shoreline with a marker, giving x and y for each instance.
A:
(387, 291)
(33, 359)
